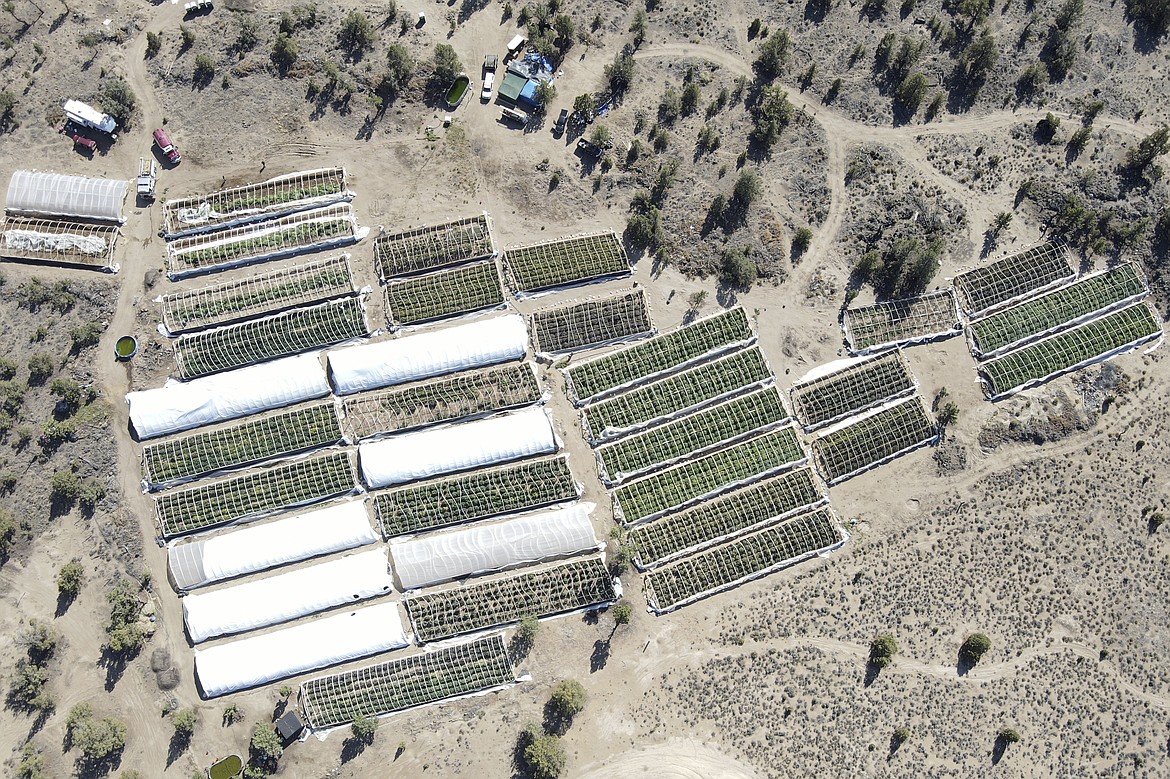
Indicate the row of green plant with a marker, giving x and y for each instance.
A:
(293, 237)
(496, 602)
(673, 487)
(1061, 352)
(286, 333)
(898, 321)
(687, 389)
(446, 293)
(444, 502)
(432, 247)
(659, 354)
(851, 389)
(566, 261)
(852, 448)
(592, 322)
(241, 444)
(264, 195)
(406, 682)
(726, 515)
(1011, 277)
(725, 565)
(465, 394)
(292, 484)
(700, 430)
(1044, 313)
(257, 295)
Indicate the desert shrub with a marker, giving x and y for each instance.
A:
(1155, 14)
(184, 721)
(32, 763)
(737, 269)
(801, 240)
(622, 613)
(70, 578)
(747, 191)
(975, 646)
(364, 729)
(96, 739)
(1008, 735)
(247, 33)
(204, 67)
(265, 742)
(774, 54)
(28, 690)
(40, 367)
(7, 532)
(357, 34)
(882, 650)
(447, 64)
(543, 755)
(568, 699)
(670, 106)
(770, 116)
(11, 396)
(285, 51)
(123, 635)
(908, 97)
(620, 73)
(528, 629)
(72, 394)
(7, 369)
(85, 335)
(187, 35)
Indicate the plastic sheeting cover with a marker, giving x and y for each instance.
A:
(299, 537)
(184, 405)
(489, 547)
(473, 345)
(56, 194)
(277, 599)
(490, 441)
(282, 653)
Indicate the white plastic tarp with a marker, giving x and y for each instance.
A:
(439, 557)
(184, 405)
(324, 531)
(55, 194)
(473, 345)
(276, 599)
(282, 653)
(490, 441)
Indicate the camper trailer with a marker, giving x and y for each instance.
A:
(87, 116)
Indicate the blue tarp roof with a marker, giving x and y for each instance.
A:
(528, 94)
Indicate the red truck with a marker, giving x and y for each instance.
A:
(78, 139)
(167, 146)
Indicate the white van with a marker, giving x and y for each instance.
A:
(515, 44)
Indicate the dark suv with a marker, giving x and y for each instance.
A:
(562, 120)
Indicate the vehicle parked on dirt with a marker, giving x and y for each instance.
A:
(167, 146)
(589, 149)
(491, 62)
(562, 120)
(489, 80)
(88, 116)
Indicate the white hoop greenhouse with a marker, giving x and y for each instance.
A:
(286, 597)
(184, 405)
(490, 441)
(258, 660)
(440, 557)
(474, 345)
(55, 194)
(299, 537)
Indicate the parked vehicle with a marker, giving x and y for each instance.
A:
(78, 139)
(514, 115)
(562, 120)
(88, 116)
(147, 179)
(197, 7)
(589, 149)
(491, 62)
(515, 45)
(489, 80)
(167, 146)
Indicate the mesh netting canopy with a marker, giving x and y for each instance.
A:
(322, 642)
(55, 194)
(287, 596)
(298, 537)
(490, 441)
(184, 405)
(440, 557)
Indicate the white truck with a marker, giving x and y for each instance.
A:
(88, 116)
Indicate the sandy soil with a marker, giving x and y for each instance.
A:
(1040, 545)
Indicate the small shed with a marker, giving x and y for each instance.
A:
(289, 727)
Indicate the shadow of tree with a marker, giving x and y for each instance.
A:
(600, 656)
